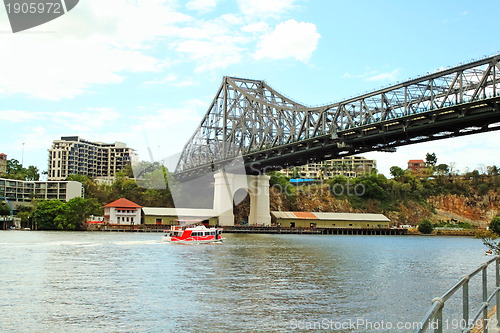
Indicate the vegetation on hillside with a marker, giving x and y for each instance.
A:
(150, 190)
(58, 215)
(16, 171)
(407, 198)
(490, 236)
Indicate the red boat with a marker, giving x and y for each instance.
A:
(193, 235)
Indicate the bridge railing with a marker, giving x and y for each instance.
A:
(480, 320)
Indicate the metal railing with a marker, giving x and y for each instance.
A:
(435, 313)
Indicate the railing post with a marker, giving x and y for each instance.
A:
(485, 299)
(465, 299)
(439, 315)
(439, 318)
(497, 282)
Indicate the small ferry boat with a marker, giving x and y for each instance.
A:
(193, 235)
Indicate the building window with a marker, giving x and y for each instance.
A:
(159, 221)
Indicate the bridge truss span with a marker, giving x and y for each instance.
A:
(248, 118)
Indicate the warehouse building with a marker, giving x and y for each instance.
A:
(329, 220)
(175, 216)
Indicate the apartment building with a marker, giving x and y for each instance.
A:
(3, 163)
(21, 192)
(348, 166)
(73, 155)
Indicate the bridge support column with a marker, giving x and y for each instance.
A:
(223, 198)
(226, 185)
(260, 210)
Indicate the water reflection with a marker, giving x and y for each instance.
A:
(132, 282)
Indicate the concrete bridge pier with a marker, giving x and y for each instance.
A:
(226, 185)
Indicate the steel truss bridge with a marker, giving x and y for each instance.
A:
(248, 118)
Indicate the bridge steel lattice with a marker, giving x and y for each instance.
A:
(248, 118)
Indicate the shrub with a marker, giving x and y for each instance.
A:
(495, 225)
(425, 227)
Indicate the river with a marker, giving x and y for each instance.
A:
(132, 282)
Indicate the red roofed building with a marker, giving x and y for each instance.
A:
(122, 211)
(416, 165)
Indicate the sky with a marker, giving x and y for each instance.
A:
(145, 72)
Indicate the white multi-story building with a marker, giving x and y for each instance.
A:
(21, 192)
(73, 155)
(349, 166)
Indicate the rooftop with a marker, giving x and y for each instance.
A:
(179, 212)
(123, 203)
(331, 216)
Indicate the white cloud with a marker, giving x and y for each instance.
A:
(172, 80)
(103, 43)
(37, 139)
(265, 8)
(203, 6)
(18, 116)
(166, 129)
(211, 54)
(65, 69)
(290, 39)
(388, 76)
(96, 43)
(86, 121)
(373, 75)
(463, 151)
(258, 27)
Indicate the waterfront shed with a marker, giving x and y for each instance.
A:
(174, 216)
(330, 220)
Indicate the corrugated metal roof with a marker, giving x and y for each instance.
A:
(295, 215)
(179, 212)
(331, 216)
(305, 215)
(352, 217)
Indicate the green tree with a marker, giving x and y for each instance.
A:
(397, 172)
(494, 225)
(490, 236)
(46, 213)
(24, 213)
(425, 227)
(77, 211)
(442, 169)
(71, 215)
(430, 160)
(4, 208)
(16, 171)
(13, 166)
(32, 173)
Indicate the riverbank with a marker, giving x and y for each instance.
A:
(454, 232)
(264, 230)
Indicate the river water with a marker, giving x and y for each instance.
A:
(132, 282)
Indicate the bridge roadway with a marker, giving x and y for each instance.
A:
(268, 131)
(459, 120)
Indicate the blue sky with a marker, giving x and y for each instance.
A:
(145, 72)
